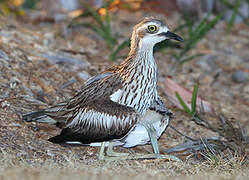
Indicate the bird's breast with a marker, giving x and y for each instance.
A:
(139, 89)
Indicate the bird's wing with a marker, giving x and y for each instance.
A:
(94, 116)
(101, 86)
(98, 77)
(64, 111)
(96, 88)
(102, 120)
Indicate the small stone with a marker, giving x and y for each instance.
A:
(240, 76)
(50, 153)
(14, 82)
(246, 89)
(206, 79)
(83, 75)
(57, 59)
(4, 104)
(15, 125)
(3, 55)
(69, 5)
(207, 63)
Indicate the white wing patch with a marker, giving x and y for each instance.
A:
(95, 144)
(116, 96)
(74, 142)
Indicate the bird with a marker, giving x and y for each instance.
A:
(120, 106)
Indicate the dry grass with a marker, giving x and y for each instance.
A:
(16, 168)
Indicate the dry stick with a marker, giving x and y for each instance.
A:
(188, 137)
(207, 148)
(225, 125)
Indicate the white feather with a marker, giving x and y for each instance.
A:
(74, 142)
(116, 96)
(139, 135)
(93, 117)
(97, 144)
(136, 137)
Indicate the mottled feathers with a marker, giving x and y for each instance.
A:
(113, 104)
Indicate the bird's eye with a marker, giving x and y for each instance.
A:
(152, 28)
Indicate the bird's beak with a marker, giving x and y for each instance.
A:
(171, 35)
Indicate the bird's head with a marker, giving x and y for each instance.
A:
(150, 32)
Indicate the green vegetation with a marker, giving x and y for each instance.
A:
(194, 35)
(236, 139)
(235, 9)
(103, 29)
(191, 111)
(16, 8)
(192, 31)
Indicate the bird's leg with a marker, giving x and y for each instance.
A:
(153, 138)
(112, 156)
(111, 153)
(102, 151)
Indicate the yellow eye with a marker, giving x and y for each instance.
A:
(152, 28)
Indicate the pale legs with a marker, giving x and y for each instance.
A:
(111, 155)
(109, 152)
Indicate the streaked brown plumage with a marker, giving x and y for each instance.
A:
(118, 103)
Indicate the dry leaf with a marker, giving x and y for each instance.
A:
(171, 88)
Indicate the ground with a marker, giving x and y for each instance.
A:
(45, 63)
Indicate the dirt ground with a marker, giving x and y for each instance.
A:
(42, 64)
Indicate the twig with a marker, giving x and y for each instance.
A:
(187, 137)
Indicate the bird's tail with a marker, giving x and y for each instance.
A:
(57, 114)
(38, 116)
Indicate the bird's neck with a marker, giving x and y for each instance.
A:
(145, 56)
(140, 59)
(139, 72)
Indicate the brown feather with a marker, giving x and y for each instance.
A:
(91, 115)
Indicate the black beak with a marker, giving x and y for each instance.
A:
(171, 35)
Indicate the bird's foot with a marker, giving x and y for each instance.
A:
(141, 156)
(110, 153)
(115, 156)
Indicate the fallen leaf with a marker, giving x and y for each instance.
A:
(171, 88)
